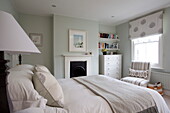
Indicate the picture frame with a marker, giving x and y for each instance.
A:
(77, 40)
(36, 38)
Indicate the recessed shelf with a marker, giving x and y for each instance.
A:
(108, 40)
(111, 49)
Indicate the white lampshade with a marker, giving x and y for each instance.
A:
(12, 36)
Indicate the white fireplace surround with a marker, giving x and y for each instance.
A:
(69, 58)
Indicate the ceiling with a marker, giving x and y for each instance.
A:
(97, 10)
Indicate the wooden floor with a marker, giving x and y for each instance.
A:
(167, 100)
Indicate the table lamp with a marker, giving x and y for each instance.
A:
(13, 40)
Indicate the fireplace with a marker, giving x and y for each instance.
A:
(82, 68)
(78, 68)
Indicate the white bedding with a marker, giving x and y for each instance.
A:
(40, 110)
(79, 99)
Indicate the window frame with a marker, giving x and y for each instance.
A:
(160, 52)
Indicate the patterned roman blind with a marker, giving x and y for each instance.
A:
(145, 26)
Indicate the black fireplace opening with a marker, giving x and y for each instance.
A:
(78, 68)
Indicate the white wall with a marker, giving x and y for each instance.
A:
(61, 27)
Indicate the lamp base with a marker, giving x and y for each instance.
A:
(20, 59)
(4, 107)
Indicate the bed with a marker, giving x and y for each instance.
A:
(89, 94)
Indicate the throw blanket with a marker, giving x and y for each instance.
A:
(122, 97)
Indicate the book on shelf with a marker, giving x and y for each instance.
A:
(108, 46)
(108, 35)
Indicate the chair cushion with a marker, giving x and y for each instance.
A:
(138, 73)
(136, 81)
(47, 86)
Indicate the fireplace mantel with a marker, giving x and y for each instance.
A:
(76, 57)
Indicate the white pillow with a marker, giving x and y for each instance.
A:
(47, 86)
(22, 67)
(22, 92)
(138, 73)
(40, 68)
(31, 110)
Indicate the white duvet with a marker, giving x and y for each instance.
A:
(79, 99)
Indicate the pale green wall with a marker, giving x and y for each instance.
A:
(61, 27)
(43, 25)
(107, 29)
(125, 47)
(7, 6)
(166, 40)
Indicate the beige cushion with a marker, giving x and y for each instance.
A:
(40, 68)
(138, 73)
(47, 86)
(22, 92)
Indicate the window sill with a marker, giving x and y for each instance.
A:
(159, 68)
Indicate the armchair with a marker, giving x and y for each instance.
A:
(139, 74)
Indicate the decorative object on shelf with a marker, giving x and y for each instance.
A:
(104, 51)
(13, 39)
(114, 45)
(88, 53)
(36, 38)
(77, 40)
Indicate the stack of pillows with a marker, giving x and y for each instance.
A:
(33, 86)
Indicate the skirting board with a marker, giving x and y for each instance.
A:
(167, 92)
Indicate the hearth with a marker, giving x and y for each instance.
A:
(78, 68)
(81, 64)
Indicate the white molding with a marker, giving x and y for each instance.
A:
(76, 55)
(69, 58)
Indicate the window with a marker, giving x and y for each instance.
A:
(148, 49)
